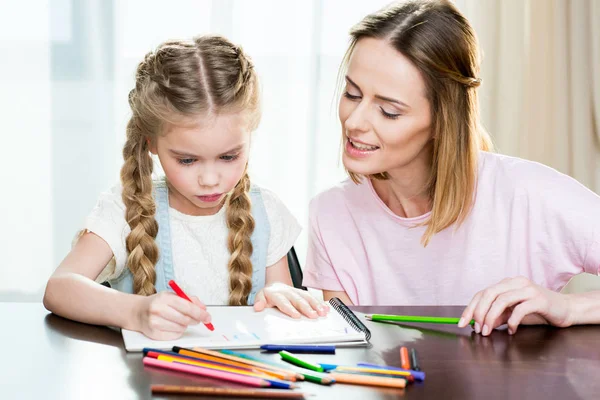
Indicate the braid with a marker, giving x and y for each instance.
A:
(241, 225)
(139, 210)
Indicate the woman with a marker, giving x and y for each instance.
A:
(429, 215)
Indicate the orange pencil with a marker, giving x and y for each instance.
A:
(199, 363)
(367, 380)
(289, 373)
(404, 360)
(200, 356)
(227, 392)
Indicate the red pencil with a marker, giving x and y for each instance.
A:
(181, 294)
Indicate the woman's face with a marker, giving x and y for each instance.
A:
(384, 111)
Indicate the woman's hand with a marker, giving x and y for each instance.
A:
(165, 316)
(291, 301)
(516, 301)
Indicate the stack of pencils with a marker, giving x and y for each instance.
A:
(268, 379)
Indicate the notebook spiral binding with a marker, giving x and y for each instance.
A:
(349, 316)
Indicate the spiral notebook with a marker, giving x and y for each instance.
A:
(243, 328)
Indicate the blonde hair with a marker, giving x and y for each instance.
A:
(440, 42)
(185, 79)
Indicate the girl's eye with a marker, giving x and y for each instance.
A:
(229, 157)
(350, 96)
(186, 161)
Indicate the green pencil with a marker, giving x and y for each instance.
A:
(289, 357)
(322, 379)
(415, 318)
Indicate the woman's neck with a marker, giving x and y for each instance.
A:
(406, 192)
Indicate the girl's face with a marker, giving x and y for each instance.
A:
(384, 111)
(203, 161)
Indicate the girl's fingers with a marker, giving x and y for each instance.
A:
(520, 312)
(189, 309)
(284, 305)
(320, 307)
(197, 302)
(303, 305)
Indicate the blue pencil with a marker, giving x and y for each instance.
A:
(418, 375)
(299, 348)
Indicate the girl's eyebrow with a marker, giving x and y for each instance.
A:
(190, 155)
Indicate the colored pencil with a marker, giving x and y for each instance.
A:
(252, 358)
(405, 374)
(322, 379)
(367, 380)
(289, 357)
(222, 368)
(414, 362)
(184, 296)
(242, 360)
(156, 354)
(404, 360)
(227, 392)
(419, 375)
(383, 374)
(199, 356)
(414, 318)
(299, 348)
(211, 373)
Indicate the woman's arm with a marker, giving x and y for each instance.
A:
(343, 296)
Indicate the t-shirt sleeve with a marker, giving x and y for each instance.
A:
(285, 229)
(319, 272)
(571, 216)
(107, 220)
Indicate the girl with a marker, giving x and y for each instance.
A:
(429, 216)
(194, 106)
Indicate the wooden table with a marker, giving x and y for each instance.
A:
(48, 357)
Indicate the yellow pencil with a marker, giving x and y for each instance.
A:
(373, 371)
(367, 380)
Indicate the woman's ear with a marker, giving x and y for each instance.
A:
(151, 145)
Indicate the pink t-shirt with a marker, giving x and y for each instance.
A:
(527, 220)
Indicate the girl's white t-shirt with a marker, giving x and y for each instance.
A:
(199, 243)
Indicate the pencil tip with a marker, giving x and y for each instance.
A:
(368, 317)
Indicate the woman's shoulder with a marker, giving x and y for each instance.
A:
(525, 177)
(339, 196)
(515, 169)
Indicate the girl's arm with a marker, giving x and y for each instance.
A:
(72, 293)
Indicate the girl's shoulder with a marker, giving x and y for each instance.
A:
(271, 201)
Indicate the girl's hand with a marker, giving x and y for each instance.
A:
(291, 301)
(516, 301)
(165, 316)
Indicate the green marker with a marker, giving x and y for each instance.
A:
(289, 357)
(415, 318)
